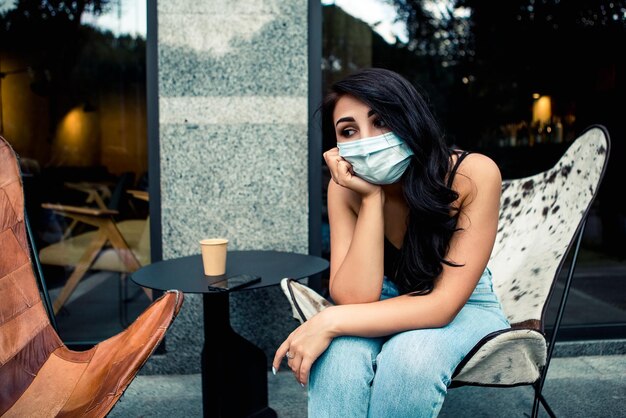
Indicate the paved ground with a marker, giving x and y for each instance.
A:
(586, 386)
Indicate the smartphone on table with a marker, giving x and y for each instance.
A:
(235, 282)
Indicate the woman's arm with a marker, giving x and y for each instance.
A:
(356, 259)
(479, 185)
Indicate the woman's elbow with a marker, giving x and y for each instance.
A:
(443, 311)
(444, 321)
(347, 297)
(448, 315)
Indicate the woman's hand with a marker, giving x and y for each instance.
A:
(305, 344)
(342, 174)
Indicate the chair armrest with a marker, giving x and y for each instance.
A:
(79, 210)
(305, 302)
(103, 188)
(139, 194)
(114, 362)
(506, 357)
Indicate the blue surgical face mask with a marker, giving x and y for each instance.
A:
(379, 159)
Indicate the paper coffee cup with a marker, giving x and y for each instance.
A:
(214, 256)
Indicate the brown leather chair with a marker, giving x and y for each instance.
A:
(39, 376)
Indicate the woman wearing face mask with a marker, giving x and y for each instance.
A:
(412, 227)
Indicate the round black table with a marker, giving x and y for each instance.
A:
(234, 371)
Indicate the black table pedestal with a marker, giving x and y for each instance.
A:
(234, 371)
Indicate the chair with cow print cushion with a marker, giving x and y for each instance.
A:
(542, 217)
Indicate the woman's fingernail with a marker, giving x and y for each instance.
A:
(274, 370)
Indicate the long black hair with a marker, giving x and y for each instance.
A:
(432, 218)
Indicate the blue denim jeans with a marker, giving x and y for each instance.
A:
(405, 374)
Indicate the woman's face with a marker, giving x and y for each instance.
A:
(354, 120)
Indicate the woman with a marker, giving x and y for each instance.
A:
(412, 228)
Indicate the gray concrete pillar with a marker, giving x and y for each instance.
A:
(233, 120)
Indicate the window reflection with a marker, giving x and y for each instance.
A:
(72, 105)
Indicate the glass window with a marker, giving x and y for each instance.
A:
(517, 81)
(72, 105)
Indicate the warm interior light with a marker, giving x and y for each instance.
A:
(536, 96)
(542, 110)
(77, 138)
(72, 127)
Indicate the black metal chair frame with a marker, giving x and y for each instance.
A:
(538, 385)
(39, 273)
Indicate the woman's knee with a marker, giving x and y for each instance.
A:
(341, 378)
(412, 375)
(418, 359)
(347, 357)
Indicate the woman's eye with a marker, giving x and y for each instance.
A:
(379, 123)
(346, 133)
